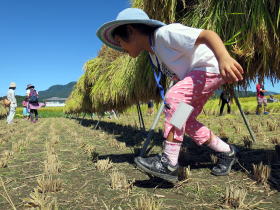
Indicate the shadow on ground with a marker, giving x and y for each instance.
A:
(191, 155)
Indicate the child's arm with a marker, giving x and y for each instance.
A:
(230, 69)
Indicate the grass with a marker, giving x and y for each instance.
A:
(44, 112)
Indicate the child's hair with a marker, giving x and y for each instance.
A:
(123, 32)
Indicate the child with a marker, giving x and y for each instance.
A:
(261, 99)
(199, 61)
(25, 112)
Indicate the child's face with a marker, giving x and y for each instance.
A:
(131, 46)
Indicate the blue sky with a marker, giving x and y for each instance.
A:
(46, 42)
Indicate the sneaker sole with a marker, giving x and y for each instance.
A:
(166, 177)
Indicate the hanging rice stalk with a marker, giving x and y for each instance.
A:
(78, 101)
(250, 29)
(163, 10)
(124, 82)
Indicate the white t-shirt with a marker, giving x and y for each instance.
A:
(174, 46)
(11, 97)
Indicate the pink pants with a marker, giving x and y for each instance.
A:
(195, 89)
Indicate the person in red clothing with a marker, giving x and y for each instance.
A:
(261, 99)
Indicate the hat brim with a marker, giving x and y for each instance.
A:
(105, 31)
(29, 87)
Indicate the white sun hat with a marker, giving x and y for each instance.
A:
(12, 85)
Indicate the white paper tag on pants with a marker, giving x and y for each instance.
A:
(181, 115)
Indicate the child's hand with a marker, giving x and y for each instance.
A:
(230, 69)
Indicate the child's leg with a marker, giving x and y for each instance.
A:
(194, 90)
(222, 107)
(228, 108)
(36, 114)
(205, 85)
(259, 106)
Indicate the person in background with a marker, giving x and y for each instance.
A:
(33, 102)
(271, 99)
(25, 111)
(226, 100)
(13, 105)
(150, 107)
(261, 99)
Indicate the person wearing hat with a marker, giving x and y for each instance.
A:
(13, 105)
(33, 104)
(198, 60)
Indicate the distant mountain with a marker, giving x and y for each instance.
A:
(61, 91)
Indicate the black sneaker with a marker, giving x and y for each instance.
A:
(158, 166)
(225, 162)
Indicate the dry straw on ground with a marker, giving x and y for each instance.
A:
(247, 142)
(213, 158)
(3, 162)
(90, 151)
(275, 140)
(272, 125)
(46, 183)
(235, 197)
(261, 173)
(119, 181)
(40, 201)
(184, 173)
(146, 202)
(52, 164)
(104, 165)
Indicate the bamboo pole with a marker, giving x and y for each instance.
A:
(244, 117)
(140, 117)
(151, 131)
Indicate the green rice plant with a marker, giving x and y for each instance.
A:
(44, 112)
